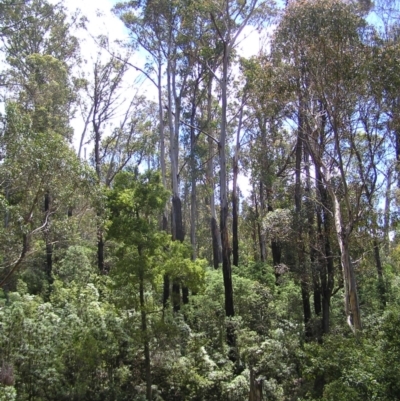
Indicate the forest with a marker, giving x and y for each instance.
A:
(228, 233)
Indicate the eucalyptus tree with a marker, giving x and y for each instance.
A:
(114, 147)
(168, 45)
(270, 146)
(322, 42)
(229, 18)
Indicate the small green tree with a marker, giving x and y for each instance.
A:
(145, 253)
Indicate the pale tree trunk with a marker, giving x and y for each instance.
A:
(174, 103)
(235, 197)
(146, 345)
(301, 262)
(315, 267)
(100, 239)
(351, 297)
(215, 233)
(261, 234)
(233, 22)
(164, 223)
(49, 246)
(193, 195)
(226, 259)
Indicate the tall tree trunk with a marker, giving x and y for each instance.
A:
(311, 240)
(324, 225)
(166, 284)
(261, 235)
(276, 251)
(256, 226)
(193, 195)
(352, 306)
(174, 103)
(301, 265)
(49, 246)
(146, 345)
(226, 260)
(100, 239)
(388, 199)
(215, 233)
(256, 393)
(235, 200)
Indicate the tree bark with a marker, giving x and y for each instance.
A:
(261, 235)
(49, 246)
(301, 265)
(146, 346)
(235, 197)
(215, 233)
(226, 260)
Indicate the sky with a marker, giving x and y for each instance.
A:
(101, 21)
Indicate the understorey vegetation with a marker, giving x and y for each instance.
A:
(228, 233)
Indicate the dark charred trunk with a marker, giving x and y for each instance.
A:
(49, 246)
(235, 239)
(100, 251)
(166, 277)
(276, 251)
(178, 234)
(176, 296)
(324, 225)
(165, 290)
(256, 386)
(305, 297)
(227, 273)
(397, 133)
(215, 243)
(388, 199)
(381, 281)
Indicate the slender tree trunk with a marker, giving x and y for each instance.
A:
(311, 239)
(226, 260)
(146, 346)
(301, 265)
(256, 226)
(324, 223)
(379, 269)
(276, 251)
(193, 195)
(100, 239)
(166, 284)
(256, 393)
(235, 200)
(387, 210)
(351, 297)
(326, 262)
(261, 235)
(215, 233)
(49, 246)
(174, 124)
